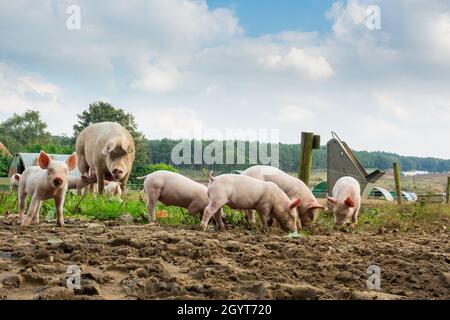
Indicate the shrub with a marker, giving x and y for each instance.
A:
(4, 163)
(141, 171)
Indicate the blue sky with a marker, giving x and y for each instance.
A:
(260, 17)
(202, 68)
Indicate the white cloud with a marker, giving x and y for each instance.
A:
(347, 17)
(153, 57)
(111, 34)
(21, 91)
(156, 77)
(170, 122)
(389, 106)
(305, 64)
(294, 114)
(436, 32)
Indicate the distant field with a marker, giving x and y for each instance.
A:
(420, 184)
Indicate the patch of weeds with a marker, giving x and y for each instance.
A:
(370, 216)
(8, 202)
(406, 217)
(295, 235)
(234, 217)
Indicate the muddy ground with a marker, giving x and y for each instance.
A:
(134, 261)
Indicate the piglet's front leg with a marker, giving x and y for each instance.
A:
(264, 225)
(36, 217)
(22, 205)
(32, 211)
(59, 203)
(354, 220)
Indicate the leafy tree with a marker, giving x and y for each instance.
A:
(20, 131)
(64, 141)
(51, 148)
(4, 163)
(5, 157)
(102, 111)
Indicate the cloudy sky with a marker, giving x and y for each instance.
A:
(188, 67)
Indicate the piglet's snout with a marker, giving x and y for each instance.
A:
(57, 182)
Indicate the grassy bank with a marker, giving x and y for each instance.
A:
(375, 216)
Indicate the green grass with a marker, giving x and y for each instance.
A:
(8, 202)
(93, 207)
(406, 217)
(373, 215)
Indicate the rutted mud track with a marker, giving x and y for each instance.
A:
(129, 261)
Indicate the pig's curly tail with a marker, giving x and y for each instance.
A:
(210, 176)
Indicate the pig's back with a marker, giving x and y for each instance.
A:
(346, 186)
(289, 184)
(93, 139)
(242, 191)
(175, 188)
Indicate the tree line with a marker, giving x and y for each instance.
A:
(289, 154)
(27, 132)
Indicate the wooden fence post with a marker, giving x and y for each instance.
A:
(305, 163)
(398, 189)
(448, 190)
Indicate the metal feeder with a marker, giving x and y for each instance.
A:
(341, 161)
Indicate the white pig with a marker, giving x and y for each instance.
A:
(107, 149)
(43, 182)
(242, 192)
(346, 200)
(113, 189)
(80, 183)
(293, 187)
(14, 182)
(174, 189)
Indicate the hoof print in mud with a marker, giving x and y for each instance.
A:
(54, 293)
(88, 287)
(12, 281)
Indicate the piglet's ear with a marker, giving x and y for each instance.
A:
(331, 200)
(43, 160)
(72, 161)
(295, 203)
(85, 178)
(349, 202)
(315, 205)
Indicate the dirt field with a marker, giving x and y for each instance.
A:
(130, 261)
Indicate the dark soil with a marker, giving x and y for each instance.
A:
(134, 261)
